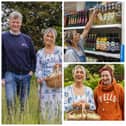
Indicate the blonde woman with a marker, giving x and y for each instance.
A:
(77, 95)
(47, 58)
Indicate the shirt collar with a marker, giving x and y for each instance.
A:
(13, 33)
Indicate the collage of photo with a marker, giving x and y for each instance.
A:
(62, 61)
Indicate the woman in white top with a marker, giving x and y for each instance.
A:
(48, 58)
(77, 95)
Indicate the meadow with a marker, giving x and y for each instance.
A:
(32, 113)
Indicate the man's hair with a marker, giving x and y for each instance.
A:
(15, 15)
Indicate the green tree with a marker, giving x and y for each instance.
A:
(92, 74)
(119, 72)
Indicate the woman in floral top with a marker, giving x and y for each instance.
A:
(77, 95)
(48, 58)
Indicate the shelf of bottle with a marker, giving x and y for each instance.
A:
(105, 54)
(94, 26)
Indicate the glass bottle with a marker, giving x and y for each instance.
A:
(113, 13)
(65, 20)
(98, 43)
(94, 42)
(78, 18)
(108, 42)
(69, 20)
(119, 12)
(109, 13)
(117, 42)
(112, 43)
(103, 14)
(82, 18)
(99, 15)
(86, 17)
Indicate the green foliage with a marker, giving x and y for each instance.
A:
(68, 73)
(36, 16)
(94, 68)
(92, 74)
(92, 81)
(119, 72)
(122, 83)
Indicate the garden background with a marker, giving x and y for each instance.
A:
(37, 16)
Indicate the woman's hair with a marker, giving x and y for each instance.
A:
(16, 15)
(52, 30)
(108, 68)
(77, 67)
(68, 36)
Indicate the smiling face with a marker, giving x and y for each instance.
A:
(78, 75)
(106, 77)
(49, 39)
(15, 24)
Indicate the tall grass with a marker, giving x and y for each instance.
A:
(31, 115)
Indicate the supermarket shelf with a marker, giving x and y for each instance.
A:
(107, 26)
(105, 54)
(95, 26)
(100, 53)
